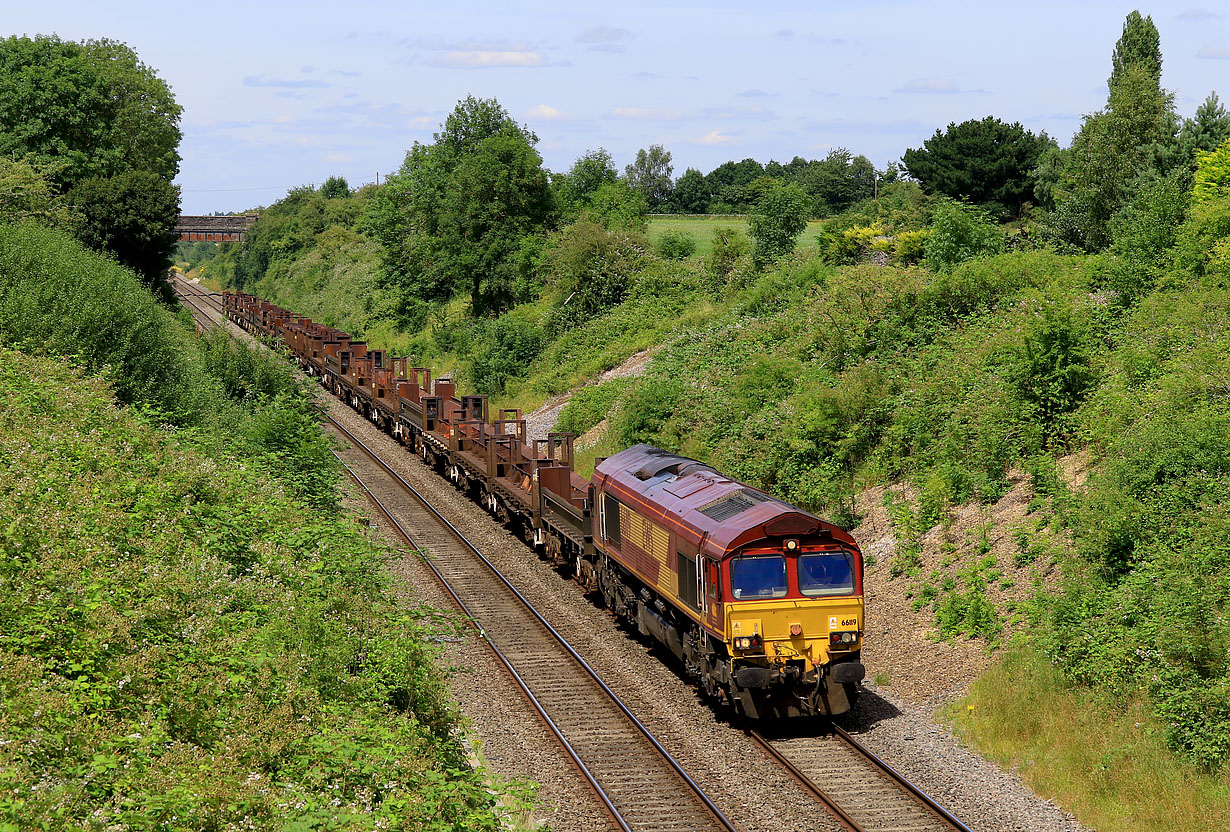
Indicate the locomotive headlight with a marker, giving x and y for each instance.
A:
(843, 639)
(743, 643)
(792, 545)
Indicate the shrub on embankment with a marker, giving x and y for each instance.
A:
(58, 299)
(186, 639)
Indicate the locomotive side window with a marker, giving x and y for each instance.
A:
(758, 577)
(826, 573)
(610, 519)
(689, 581)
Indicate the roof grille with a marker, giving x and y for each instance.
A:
(737, 502)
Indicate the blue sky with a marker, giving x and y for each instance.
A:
(283, 94)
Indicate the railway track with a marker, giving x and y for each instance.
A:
(859, 787)
(640, 783)
(636, 779)
(205, 305)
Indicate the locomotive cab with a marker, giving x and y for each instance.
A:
(794, 625)
(762, 601)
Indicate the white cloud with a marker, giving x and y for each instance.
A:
(647, 113)
(930, 85)
(1214, 49)
(603, 34)
(342, 158)
(603, 38)
(422, 121)
(479, 59)
(717, 137)
(1197, 15)
(544, 111)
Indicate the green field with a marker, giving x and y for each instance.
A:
(702, 228)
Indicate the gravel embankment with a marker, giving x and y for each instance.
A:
(926, 753)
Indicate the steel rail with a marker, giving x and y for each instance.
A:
(803, 779)
(521, 683)
(865, 753)
(717, 813)
(209, 320)
(204, 319)
(922, 797)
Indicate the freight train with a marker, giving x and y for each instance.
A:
(762, 602)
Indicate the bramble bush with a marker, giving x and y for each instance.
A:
(590, 270)
(504, 348)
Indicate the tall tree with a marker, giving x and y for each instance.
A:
(127, 215)
(835, 182)
(1121, 147)
(778, 219)
(452, 219)
(93, 113)
(594, 169)
(27, 193)
(651, 175)
(335, 187)
(984, 161)
(728, 181)
(1139, 47)
(691, 192)
(1206, 130)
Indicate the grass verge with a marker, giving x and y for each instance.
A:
(1106, 761)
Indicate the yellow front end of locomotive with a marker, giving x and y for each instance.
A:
(776, 632)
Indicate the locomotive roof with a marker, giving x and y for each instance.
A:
(697, 500)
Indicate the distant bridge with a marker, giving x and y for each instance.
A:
(214, 229)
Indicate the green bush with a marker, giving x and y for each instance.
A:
(590, 270)
(505, 346)
(590, 405)
(675, 244)
(1051, 369)
(646, 412)
(1208, 223)
(778, 218)
(60, 299)
(850, 245)
(959, 233)
(730, 256)
(910, 247)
